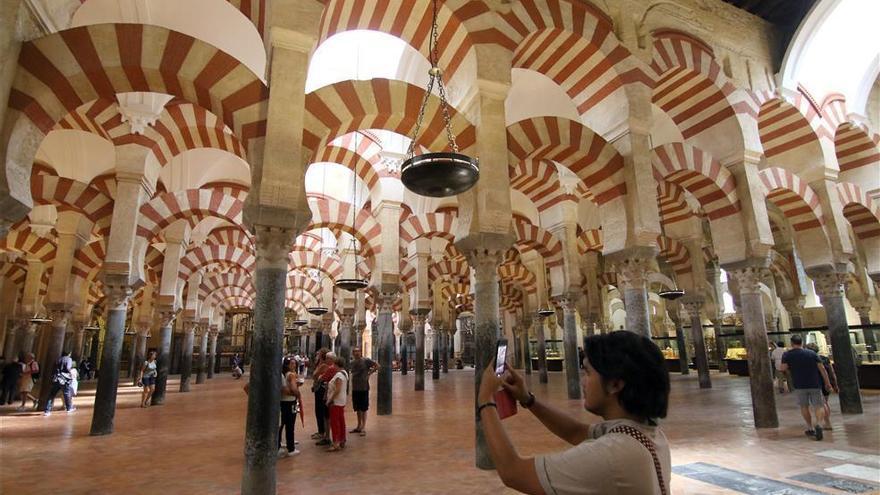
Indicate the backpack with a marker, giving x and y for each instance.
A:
(35, 375)
(61, 376)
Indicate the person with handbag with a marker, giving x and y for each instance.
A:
(337, 398)
(147, 378)
(625, 382)
(61, 381)
(30, 373)
(290, 397)
(324, 364)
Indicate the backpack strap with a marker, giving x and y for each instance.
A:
(648, 444)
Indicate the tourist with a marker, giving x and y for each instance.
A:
(626, 383)
(147, 378)
(74, 383)
(782, 382)
(61, 380)
(361, 369)
(324, 372)
(237, 371)
(337, 397)
(832, 377)
(290, 396)
(84, 368)
(9, 384)
(30, 372)
(807, 379)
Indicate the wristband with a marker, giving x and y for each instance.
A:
(483, 406)
(528, 402)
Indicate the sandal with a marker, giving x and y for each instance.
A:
(334, 449)
(363, 433)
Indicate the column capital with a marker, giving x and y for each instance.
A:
(273, 246)
(118, 292)
(829, 284)
(418, 319)
(189, 326)
(693, 305)
(346, 318)
(385, 298)
(863, 309)
(165, 316)
(485, 262)
(567, 301)
(59, 314)
(748, 278)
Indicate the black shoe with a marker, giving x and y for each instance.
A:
(819, 434)
(810, 433)
(323, 442)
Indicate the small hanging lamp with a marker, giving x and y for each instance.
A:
(441, 174)
(545, 312)
(317, 310)
(299, 321)
(354, 283)
(671, 294)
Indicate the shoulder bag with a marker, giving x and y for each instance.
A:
(648, 444)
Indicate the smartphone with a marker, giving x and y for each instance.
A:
(501, 357)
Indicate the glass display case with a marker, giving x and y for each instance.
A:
(555, 354)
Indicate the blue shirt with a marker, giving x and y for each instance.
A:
(803, 364)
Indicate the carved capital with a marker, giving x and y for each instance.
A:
(693, 306)
(485, 263)
(566, 301)
(166, 317)
(748, 279)
(59, 316)
(346, 319)
(864, 310)
(190, 326)
(418, 319)
(385, 299)
(829, 284)
(273, 246)
(118, 294)
(633, 272)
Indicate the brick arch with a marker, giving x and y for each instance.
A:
(544, 242)
(451, 268)
(218, 296)
(352, 160)
(88, 259)
(72, 195)
(235, 302)
(861, 210)
(538, 180)
(20, 239)
(855, 148)
(791, 131)
(698, 172)
(301, 296)
(518, 273)
(672, 203)
(230, 235)
(297, 307)
(428, 225)
(15, 272)
(590, 240)
(337, 216)
(675, 253)
(454, 41)
(327, 265)
(214, 281)
(348, 106)
(299, 280)
(206, 255)
(574, 146)
(192, 205)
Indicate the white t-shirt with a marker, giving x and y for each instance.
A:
(612, 464)
(777, 356)
(339, 382)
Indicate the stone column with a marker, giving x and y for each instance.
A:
(345, 323)
(435, 352)
(202, 375)
(830, 289)
(486, 329)
(27, 333)
(140, 353)
(163, 358)
(748, 279)
(632, 266)
(795, 310)
(186, 355)
(261, 430)
(385, 300)
(681, 341)
(176, 352)
(720, 348)
(694, 306)
(11, 335)
(212, 351)
(444, 357)
(403, 353)
(864, 311)
(542, 349)
(60, 316)
(527, 355)
(118, 293)
(569, 342)
(418, 318)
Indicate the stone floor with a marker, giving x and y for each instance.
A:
(193, 444)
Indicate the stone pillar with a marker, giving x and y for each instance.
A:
(212, 352)
(720, 348)
(202, 375)
(830, 289)
(118, 293)
(632, 266)
(527, 355)
(385, 301)
(864, 311)
(444, 354)
(60, 317)
(319, 340)
(261, 429)
(163, 357)
(11, 335)
(569, 342)
(186, 355)
(435, 352)
(345, 323)
(748, 279)
(139, 347)
(681, 341)
(418, 318)
(694, 306)
(176, 352)
(542, 349)
(486, 329)
(27, 333)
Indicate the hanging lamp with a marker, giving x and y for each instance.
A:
(545, 312)
(298, 322)
(354, 283)
(671, 294)
(441, 174)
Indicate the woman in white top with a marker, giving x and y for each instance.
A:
(148, 378)
(337, 397)
(626, 383)
(290, 396)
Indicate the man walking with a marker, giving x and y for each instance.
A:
(61, 382)
(807, 377)
(782, 381)
(361, 369)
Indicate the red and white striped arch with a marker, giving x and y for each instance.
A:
(408, 275)
(351, 160)
(297, 279)
(539, 181)
(88, 259)
(790, 132)
(15, 272)
(71, 195)
(348, 106)
(428, 225)
(231, 236)
(448, 268)
(573, 145)
(861, 210)
(106, 183)
(517, 273)
(192, 205)
(542, 241)
(672, 203)
(236, 278)
(590, 240)
(675, 253)
(856, 148)
(308, 241)
(20, 239)
(337, 216)
(711, 183)
(797, 200)
(207, 255)
(302, 260)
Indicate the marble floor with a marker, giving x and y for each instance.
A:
(194, 443)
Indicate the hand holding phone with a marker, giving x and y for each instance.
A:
(504, 401)
(501, 357)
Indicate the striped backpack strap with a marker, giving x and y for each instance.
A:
(648, 444)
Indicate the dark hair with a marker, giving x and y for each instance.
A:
(797, 340)
(638, 362)
(65, 353)
(285, 366)
(780, 343)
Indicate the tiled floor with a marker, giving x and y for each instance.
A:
(193, 444)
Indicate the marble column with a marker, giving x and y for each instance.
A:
(444, 354)
(435, 352)
(186, 355)
(27, 333)
(527, 355)
(385, 300)
(345, 322)
(569, 342)
(77, 347)
(140, 353)
(9, 343)
(542, 349)
(202, 375)
(418, 319)
(760, 377)
(403, 353)
(261, 427)
(830, 289)
(55, 345)
(864, 311)
(176, 352)
(681, 341)
(486, 330)
(632, 268)
(694, 307)
(319, 340)
(163, 357)
(118, 293)
(720, 348)
(212, 353)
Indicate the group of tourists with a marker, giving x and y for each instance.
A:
(21, 374)
(812, 380)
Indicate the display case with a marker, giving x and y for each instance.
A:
(555, 354)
